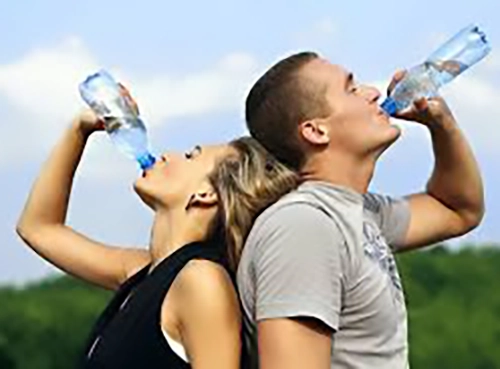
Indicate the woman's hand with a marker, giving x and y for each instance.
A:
(87, 122)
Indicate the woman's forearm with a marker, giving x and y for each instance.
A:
(48, 200)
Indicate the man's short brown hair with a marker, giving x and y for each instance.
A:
(278, 102)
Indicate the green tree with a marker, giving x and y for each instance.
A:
(45, 325)
(453, 308)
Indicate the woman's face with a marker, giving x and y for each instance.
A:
(176, 179)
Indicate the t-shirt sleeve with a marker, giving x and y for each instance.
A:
(297, 265)
(392, 215)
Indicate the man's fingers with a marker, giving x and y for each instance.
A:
(421, 104)
(398, 76)
(100, 125)
(417, 108)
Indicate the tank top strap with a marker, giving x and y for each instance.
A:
(163, 275)
(158, 282)
(172, 265)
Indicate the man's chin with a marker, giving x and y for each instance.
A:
(392, 137)
(396, 133)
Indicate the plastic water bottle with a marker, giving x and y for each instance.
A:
(111, 103)
(463, 50)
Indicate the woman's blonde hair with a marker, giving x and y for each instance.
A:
(246, 183)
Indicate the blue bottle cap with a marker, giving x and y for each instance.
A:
(390, 106)
(146, 161)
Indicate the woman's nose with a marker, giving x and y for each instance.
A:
(171, 156)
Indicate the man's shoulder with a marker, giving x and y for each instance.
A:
(374, 202)
(296, 214)
(293, 203)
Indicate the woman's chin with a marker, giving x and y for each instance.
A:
(143, 195)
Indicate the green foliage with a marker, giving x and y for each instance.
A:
(453, 302)
(454, 307)
(44, 326)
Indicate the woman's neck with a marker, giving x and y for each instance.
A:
(171, 231)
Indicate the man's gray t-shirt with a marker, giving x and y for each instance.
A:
(324, 251)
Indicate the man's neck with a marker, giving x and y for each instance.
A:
(345, 171)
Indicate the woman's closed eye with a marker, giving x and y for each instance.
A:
(351, 84)
(193, 153)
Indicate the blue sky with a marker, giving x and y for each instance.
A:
(189, 64)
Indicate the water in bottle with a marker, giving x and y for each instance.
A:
(463, 50)
(112, 103)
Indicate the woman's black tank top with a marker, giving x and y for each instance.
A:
(128, 334)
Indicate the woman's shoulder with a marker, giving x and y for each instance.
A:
(201, 276)
(204, 290)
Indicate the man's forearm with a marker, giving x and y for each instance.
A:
(456, 180)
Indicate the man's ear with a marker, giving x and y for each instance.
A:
(203, 199)
(315, 132)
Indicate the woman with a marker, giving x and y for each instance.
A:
(175, 305)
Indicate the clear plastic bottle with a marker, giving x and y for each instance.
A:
(463, 50)
(111, 103)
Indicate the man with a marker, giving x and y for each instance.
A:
(317, 278)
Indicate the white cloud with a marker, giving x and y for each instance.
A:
(40, 94)
(475, 102)
(221, 88)
(43, 83)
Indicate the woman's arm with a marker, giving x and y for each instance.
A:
(209, 316)
(42, 227)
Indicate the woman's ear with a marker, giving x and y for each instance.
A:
(204, 199)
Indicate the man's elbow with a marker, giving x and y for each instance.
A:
(472, 219)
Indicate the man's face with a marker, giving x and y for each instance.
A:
(356, 123)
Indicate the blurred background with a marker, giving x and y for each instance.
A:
(189, 65)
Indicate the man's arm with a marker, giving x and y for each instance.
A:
(298, 278)
(453, 203)
(294, 343)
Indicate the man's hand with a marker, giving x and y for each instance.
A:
(432, 112)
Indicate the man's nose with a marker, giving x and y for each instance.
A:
(370, 93)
